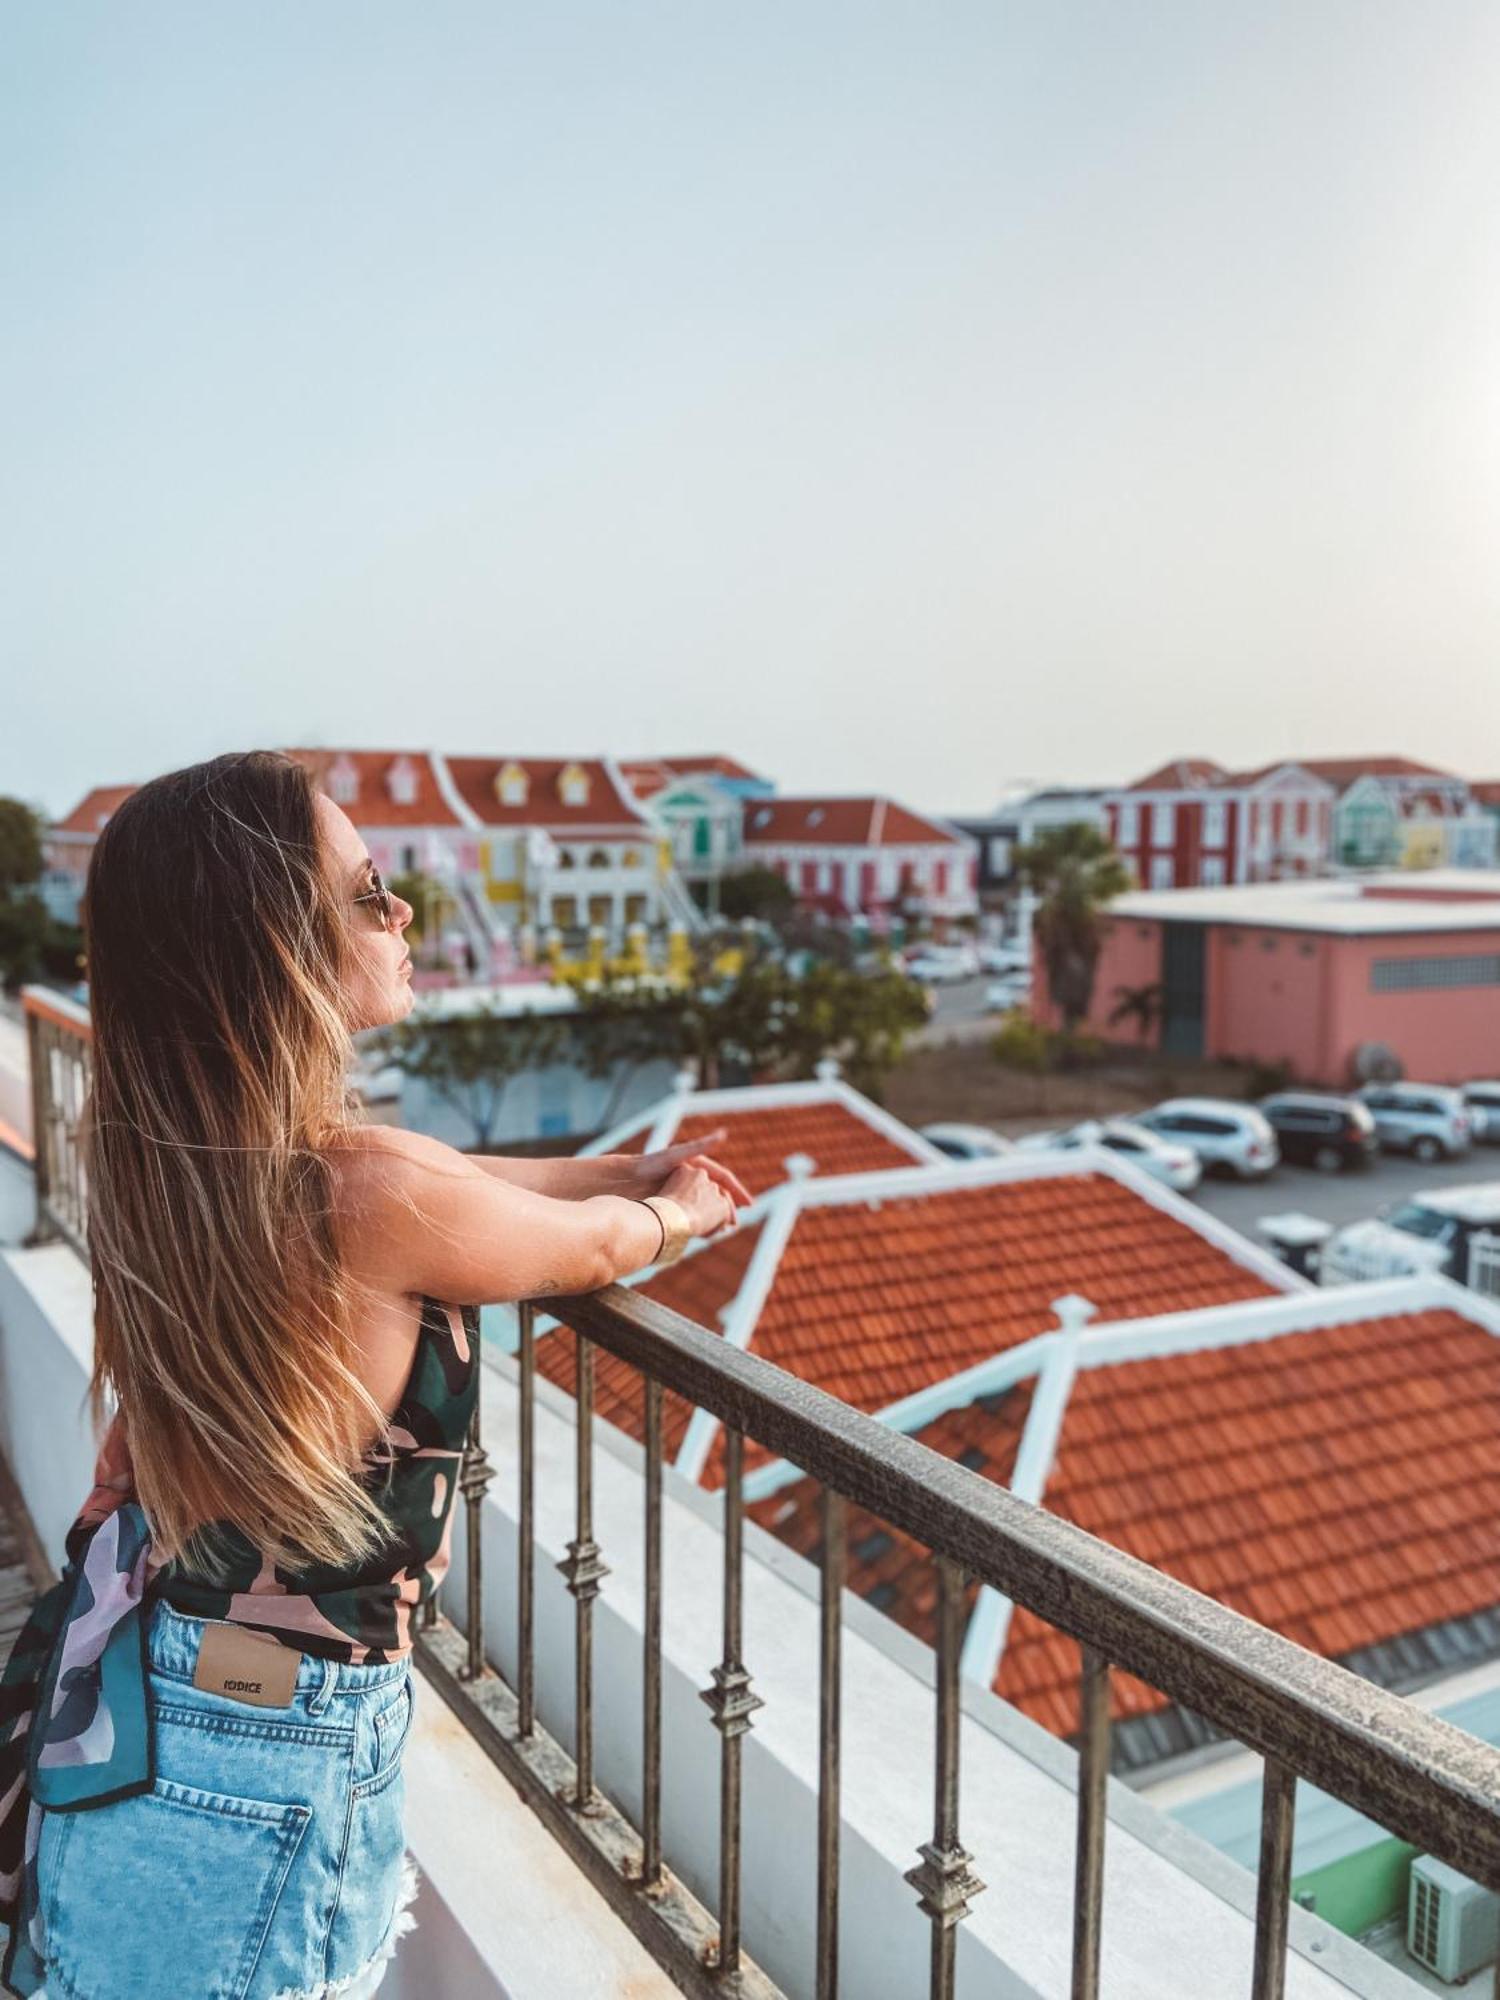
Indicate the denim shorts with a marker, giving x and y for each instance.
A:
(268, 1860)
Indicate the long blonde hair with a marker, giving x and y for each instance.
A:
(216, 951)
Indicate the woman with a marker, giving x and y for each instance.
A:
(201, 1781)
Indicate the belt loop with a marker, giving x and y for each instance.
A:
(322, 1695)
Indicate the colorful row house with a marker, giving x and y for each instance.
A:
(870, 858)
(1193, 824)
(1395, 813)
(517, 842)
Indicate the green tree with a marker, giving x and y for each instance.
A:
(468, 1061)
(756, 892)
(1141, 1004)
(1075, 871)
(20, 846)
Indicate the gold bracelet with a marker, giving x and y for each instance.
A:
(677, 1231)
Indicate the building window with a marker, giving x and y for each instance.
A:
(1215, 824)
(1410, 975)
(343, 783)
(401, 781)
(825, 878)
(1130, 825)
(1211, 871)
(1161, 871)
(510, 784)
(999, 854)
(1163, 824)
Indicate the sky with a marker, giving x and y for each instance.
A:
(902, 398)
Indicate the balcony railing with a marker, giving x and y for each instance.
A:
(1415, 1774)
(60, 1043)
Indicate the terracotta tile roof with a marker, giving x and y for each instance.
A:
(875, 1302)
(475, 779)
(858, 822)
(885, 1565)
(1486, 791)
(374, 803)
(831, 1134)
(876, 1297)
(93, 809)
(1243, 780)
(1339, 1485)
(715, 761)
(1183, 774)
(698, 1287)
(1345, 771)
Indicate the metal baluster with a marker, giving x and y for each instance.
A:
(1274, 1884)
(732, 1704)
(584, 1572)
(651, 1714)
(475, 1474)
(829, 1742)
(945, 1882)
(526, 1546)
(43, 1229)
(1088, 1876)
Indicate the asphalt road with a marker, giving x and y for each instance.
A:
(1343, 1197)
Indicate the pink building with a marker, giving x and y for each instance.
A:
(1193, 824)
(1307, 973)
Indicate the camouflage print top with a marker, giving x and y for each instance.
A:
(365, 1615)
(76, 1727)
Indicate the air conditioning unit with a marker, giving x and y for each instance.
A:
(1452, 1924)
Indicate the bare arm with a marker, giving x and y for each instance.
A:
(574, 1179)
(416, 1216)
(566, 1179)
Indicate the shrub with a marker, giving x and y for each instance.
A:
(1020, 1043)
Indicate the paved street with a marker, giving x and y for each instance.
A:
(1343, 1197)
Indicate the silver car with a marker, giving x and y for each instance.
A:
(1428, 1120)
(1228, 1138)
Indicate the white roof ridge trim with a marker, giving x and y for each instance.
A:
(448, 791)
(742, 1314)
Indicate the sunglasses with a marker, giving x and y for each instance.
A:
(380, 896)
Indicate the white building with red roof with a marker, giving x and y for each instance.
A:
(865, 856)
(538, 841)
(1191, 823)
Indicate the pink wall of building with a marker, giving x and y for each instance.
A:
(1308, 999)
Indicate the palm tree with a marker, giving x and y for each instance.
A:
(1075, 872)
(1141, 1004)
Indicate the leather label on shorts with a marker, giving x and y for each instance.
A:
(247, 1666)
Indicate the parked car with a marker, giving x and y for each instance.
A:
(1228, 1138)
(1428, 1120)
(1012, 990)
(936, 969)
(1452, 1230)
(1482, 1099)
(1002, 958)
(1175, 1166)
(1328, 1133)
(967, 1142)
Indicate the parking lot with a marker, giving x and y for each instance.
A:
(1344, 1197)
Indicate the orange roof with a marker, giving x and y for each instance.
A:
(1183, 774)
(654, 772)
(887, 1566)
(757, 1142)
(876, 1295)
(1344, 771)
(875, 1302)
(378, 798)
(838, 822)
(604, 807)
(93, 809)
(1339, 1485)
